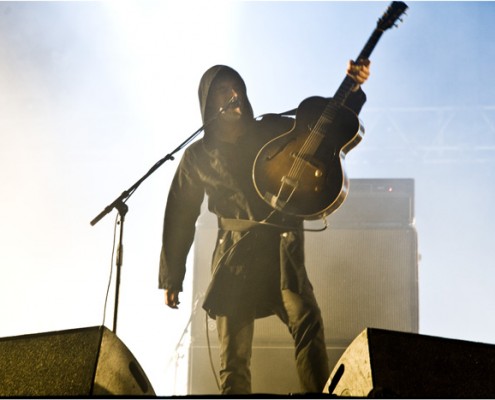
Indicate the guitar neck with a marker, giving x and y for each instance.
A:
(348, 83)
(393, 13)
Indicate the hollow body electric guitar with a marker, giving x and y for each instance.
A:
(301, 172)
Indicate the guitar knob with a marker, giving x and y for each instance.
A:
(318, 173)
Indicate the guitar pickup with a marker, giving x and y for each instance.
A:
(309, 161)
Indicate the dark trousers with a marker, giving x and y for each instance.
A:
(300, 312)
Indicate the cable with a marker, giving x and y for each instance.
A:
(111, 268)
(176, 356)
(215, 271)
(209, 353)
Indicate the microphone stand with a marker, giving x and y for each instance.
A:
(122, 208)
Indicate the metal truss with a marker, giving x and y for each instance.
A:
(430, 134)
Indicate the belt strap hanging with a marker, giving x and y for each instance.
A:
(243, 225)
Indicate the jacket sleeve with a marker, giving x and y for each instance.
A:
(181, 212)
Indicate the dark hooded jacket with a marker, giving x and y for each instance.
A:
(249, 267)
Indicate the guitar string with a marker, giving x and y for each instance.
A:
(314, 139)
(312, 142)
(309, 147)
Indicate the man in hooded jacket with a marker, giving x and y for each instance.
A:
(257, 269)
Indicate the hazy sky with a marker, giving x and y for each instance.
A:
(92, 94)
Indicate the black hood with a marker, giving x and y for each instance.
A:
(207, 82)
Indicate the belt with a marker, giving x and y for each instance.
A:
(243, 225)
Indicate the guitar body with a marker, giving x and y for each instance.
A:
(301, 172)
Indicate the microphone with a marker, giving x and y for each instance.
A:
(233, 102)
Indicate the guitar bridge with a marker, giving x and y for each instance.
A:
(287, 189)
(287, 180)
(274, 201)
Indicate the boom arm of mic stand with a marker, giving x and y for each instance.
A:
(127, 193)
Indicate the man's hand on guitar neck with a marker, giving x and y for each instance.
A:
(359, 72)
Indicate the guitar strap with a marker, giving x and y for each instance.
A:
(243, 225)
(289, 112)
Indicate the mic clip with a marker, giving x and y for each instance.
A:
(230, 103)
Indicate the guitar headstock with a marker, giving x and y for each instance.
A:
(390, 17)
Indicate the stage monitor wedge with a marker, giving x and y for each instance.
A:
(391, 364)
(78, 362)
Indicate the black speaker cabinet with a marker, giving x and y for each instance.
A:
(364, 272)
(80, 362)
(390, 364)
(364, 277)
